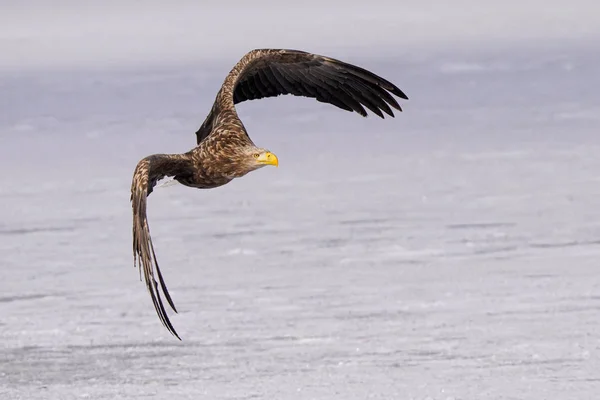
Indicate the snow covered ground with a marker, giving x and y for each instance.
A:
(449, 253)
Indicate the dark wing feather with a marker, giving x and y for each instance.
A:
(272, 72)
(147, 173)
(307, 71)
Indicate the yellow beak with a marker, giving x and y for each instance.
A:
(268, 158)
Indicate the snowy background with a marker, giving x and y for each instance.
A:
(449, 253)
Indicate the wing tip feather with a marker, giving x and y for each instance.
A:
(143, 249)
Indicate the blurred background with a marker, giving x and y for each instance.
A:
(448, 253)
(73, 34)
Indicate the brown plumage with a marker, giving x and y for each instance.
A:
(224, 150)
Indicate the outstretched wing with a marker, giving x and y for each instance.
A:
(273, 72)
(149, 171)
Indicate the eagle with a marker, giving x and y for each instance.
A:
(224, 150)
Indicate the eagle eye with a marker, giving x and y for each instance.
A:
(255, 155)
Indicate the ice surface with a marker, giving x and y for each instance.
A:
(450, 253)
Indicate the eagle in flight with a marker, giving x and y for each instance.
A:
(224, 150)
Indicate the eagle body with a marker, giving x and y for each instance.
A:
(224, 150)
